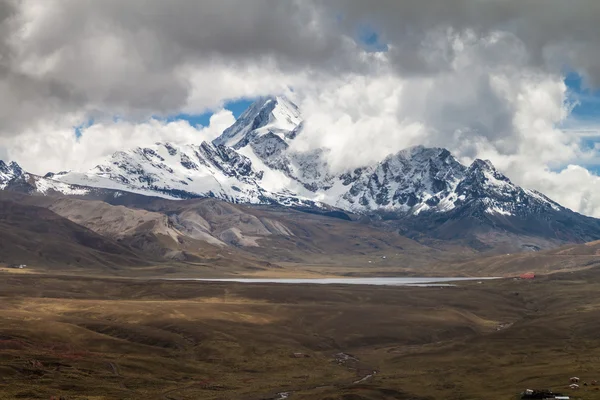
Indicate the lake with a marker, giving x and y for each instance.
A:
(383, 281)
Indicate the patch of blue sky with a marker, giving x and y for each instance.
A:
(79, 128)
(587, 100)
(237, 107)
(584, 120)
(371, 39)
(193, 119)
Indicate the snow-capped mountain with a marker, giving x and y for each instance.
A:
(483, 184)
(411, 181)
(267, 117)
(248, 163)
(12, 177)
(253, 161)
(430, 180)
(173, 171)
(487, 211)
(180, 172)
(9, 172)
(264, 133)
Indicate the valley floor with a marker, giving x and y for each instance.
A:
(100, 338)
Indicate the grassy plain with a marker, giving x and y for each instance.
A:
(101, 338)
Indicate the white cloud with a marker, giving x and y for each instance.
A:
(574, 187)
(56, 149)
(215, 83)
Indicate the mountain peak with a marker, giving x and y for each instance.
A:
(9, 172)
(11, 168)
(485, 165)
(271, 114)
(420, 152)
(52, 175)
(484, 172)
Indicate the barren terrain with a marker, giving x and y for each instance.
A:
(93, 338)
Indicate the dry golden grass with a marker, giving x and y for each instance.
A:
(93, 338)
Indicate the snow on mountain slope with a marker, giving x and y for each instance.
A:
(9, 172)
(248, 163)
(251, 162)
(267, 128)
(48, 186)
(430, 180)
(174, 171)
(412, 180)
(180, 172)
(13, 177)
(483, 183)
(275, 116)
(418, 181)
(275, 180)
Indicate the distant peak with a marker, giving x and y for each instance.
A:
(12, 167)
(265, 100)
(484, 171)
(266, 114)
(414, 149)
(485, 165)
(10, 172)
(420, 152)
(51, 175)
(268, 104)
(261, 102)
(284, 100)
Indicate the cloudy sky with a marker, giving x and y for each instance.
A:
(512, 81)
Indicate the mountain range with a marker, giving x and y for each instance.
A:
(422, 193)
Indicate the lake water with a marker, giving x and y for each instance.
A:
(388, 281)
